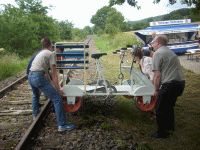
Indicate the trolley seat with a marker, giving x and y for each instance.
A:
(98, 55)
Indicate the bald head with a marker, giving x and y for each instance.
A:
(162, 40)
(159, 41)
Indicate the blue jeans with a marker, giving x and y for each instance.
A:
(38, 82)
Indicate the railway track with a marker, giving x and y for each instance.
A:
(15, 112)
(19, 131)
(17, 125)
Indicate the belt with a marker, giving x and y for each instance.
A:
(174, 81)
(40, 72)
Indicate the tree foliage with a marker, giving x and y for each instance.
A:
(120, 2)
(32, 6)
(17, 31)
(88, 30)
(99, 19)
(24, 26)
(78, 34)
(108, 20)
(195, 3)
(65, 30)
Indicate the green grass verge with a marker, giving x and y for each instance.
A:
(140, 124)
(11, 64)
(107, 43)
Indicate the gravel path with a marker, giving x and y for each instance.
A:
(191, 65)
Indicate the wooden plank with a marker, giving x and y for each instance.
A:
(15, 112)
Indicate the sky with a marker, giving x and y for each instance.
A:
(79, 12)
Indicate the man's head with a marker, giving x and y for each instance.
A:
(159, 41)
(46, 43)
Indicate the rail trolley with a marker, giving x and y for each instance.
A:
(75, 60)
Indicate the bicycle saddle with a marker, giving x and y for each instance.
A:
(98, 55)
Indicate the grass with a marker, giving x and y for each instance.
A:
(107, 43)
(11, 64)
(125, 116)
(187, 113)
(130, 118)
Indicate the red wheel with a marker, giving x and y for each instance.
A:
(72, 107)
(145, 107)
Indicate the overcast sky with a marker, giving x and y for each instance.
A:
(79, 12)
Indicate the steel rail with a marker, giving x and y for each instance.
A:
(36, 125)
(9, 87)
(34, 128)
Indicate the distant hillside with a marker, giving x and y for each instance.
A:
(185, 13)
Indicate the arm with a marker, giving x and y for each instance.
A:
(54, 74)
(156, 81)
(54, 77)
(156, 67)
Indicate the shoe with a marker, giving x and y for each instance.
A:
(160, 135)
(66, 127)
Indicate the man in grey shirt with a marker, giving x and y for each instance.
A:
(38, 81)
(169, 83)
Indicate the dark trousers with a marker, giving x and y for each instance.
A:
(166, 100)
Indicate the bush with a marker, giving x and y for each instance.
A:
(10, 64)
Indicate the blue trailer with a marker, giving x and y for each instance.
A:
(182, 34)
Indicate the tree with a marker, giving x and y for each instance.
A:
(120, 2)
(17, 31)
(87, 30)
(196, 3)
(21, 31)
(45, 26)
(32, 6)
(65, 28)
(107, 18)
(78, 34)
(110, 29)
(99, 19)
(114, 22)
